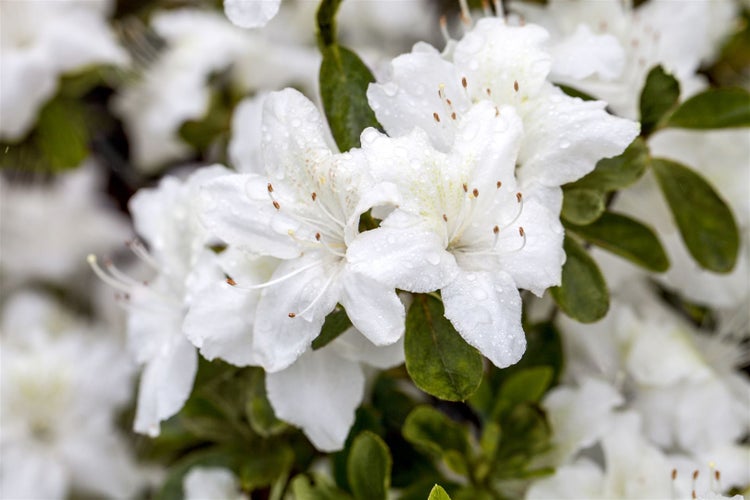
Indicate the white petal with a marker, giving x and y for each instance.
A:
(237, 209)
(584, 54)
(245, 144)
(566, 136)
(538, 265)
(165, 385)
(318, 393)
(374, 308)
(281, 339)
(354, 346)
(251, 13)
(582, 479)
(20, 470)
(486, 310)
(204, 483)
(409, 258)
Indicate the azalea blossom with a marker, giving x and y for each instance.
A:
(165, 217)
(42, 40)
(202, 483)
(63, 382)
(305, 211)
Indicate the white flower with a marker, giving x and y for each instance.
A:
(563, 137)
(212, 483)
(62, 383)
(306, 211)
(40, 41)
(48, 229)
(464, 226)
(175, 87)
(165, 217)
(251, 13)
(606, 48)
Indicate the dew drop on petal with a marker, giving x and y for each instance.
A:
(564, 144)
(433, 258)
(390, 89)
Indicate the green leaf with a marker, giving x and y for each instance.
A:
(438, 493)
(62, 134)
(627, 238)
(715, 108)
(705, 222)
(343, 87)
(583, 294)
(303, 489)
(336, 323)
(259, 411)
(619, 172)
(660, 95)
(527, 386)
(433, 431)
(582, 205)
(369, 467)
(262, 467)
(326, 18)
(438, 360)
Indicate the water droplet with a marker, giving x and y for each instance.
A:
(433, 258)
(471, 277)
(564, 144)
(390, 89)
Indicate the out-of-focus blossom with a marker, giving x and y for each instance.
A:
(204, 483)
(251, 13)
(63, 381)
(41, 40)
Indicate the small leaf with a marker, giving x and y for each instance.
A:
(660, 94)
(62, 134)
(433, 431)
(527, 386)
(715, 108)
(706, 224)
(326, 18)
(583, 294)
(627, 238)
(619, 172)
(303, 489)
(343, 82)
(438, 493)
(369, 467)
(336, 323)
(438, 360)
(581, 205)
(262, 467)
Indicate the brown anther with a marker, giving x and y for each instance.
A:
(521, 231)
(497, 111)
(443, 20)
(466, 188)
(453, 115)
(445, 218)
(674, 474)
(270, 187)
(515, 85)
(717, 475)
(693, 494)
(464, 82)
(276, 205)
(519, 197)
(317, 236)
(695, 474)
(475, 192)
(495, 229)
(450, 103)
(230, 281)
(489, 92)
(314, 196)
(499, 184)
(436, 117)
(292, 315)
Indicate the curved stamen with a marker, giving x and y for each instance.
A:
(279, 279)
(140, 251)
(317, 297)
(110, 280)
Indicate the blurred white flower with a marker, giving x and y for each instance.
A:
(63, 381)
(41, 40)
(48, 229)
(306, 211)
(212, 483)
(251, 13)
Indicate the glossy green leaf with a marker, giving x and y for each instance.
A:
(583, 294)
(714, 108)
(627, 238)
(432, 431)
(369, 467)
(343, 86)
(660, 94)
(62, 134)
(438, 360)
(262, 467)
(528, 385)
(582, 205)
(336, 323)
(326, 19)
(438, 493)
(618, 172)
(706, 224)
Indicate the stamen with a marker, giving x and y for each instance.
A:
(436, 117)
(91, 259)
(515, 85)
(119, 275)
(486, 8)
(519, 197)
(140, 251)
(444, 28)
(317, 298)
(279, 279)
(489, 92)
(276, 205)
(445, 218)
(499, 8)
(499, 184)
(314, 196)
(475, 192)
(464, 83)
(329, 215)
(453, 115)
(465, 13)
(466, 188)
(231, 282)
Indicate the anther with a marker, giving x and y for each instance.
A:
(674, 474)
(475, 192)
(495, 229)
(436, 117)
(270, 187)
(292, 315)
(519, 197)
(717, 475)
(515, 85)
(317, 236)
(499, 184)
(696, 472)
(276, 204)
(464, 82)
(489, 92)
(521, 231)
(466, 188)
(445, 218)
(314, 196)
(230, 281)
(453, 115)
(497, 111)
